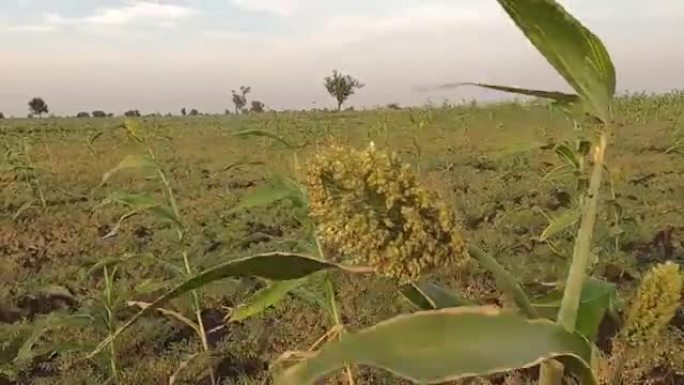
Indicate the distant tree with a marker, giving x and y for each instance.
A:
(394, 106)
(240, 98)
(37, 106)
(83, 114)
(183, 111)
(2, 116)
(99, 114)
(193, 112)
(227, 112)
(110, 115)
(341, 87)
(132, 113)
(257, 107)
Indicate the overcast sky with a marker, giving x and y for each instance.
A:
(167, 54)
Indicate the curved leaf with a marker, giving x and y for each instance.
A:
(429, 296)
(130, 162)
(560, 97)
(276, 266)
(576, 53)
(598, 298)
(444, 345)
(267, 134)
(567, 219)
(266, 297)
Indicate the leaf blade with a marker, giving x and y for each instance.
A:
(266, 297)
(443, 345)
(574, 51)
(275, 266)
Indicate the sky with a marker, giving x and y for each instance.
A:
(162, 55)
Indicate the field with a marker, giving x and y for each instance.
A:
(494, 164)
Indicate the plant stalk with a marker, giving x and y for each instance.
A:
(551, 372)
(567, 315)
(196, 303)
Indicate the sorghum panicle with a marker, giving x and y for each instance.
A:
(369, 206)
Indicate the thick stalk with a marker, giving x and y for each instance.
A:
(504, 281)
(567, 315)
(551, 372)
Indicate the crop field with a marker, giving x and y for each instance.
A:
(73, 269)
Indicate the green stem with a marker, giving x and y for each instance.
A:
(567, 315)
(196, 302)
(504, 281)
(551, 371)
(110, 324)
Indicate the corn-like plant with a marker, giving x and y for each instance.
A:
(167, 210)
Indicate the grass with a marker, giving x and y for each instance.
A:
(486, 160)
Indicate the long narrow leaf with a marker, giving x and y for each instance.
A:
(130, 162)
(266, 297)
(560, 97)
(429, 296)
(576, 53)
(276, 266)
(562, 222)
(439, 346)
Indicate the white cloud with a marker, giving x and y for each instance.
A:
(278, 7)
(144, 13)
(418, 19)
(32, 28)
(139, 12)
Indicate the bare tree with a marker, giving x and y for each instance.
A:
(37, 106)
(341, 87)
(240, 98)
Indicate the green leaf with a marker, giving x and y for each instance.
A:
(565, 153)
(560, 97)
(266, 297)
(429, 296)
(277, 266)
(576, 53)
(262, 133)
(143, 203)
(560, 223)
(130, 162)
(598, 298)
(262, 196)
(439, 346)
(280, 188)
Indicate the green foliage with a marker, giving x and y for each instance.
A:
(439, 346)
(575, 52)
(341, 87)
(430, 296)
(37, 106)
(598, 300)
(265, 298)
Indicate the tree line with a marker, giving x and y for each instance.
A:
(338, 85)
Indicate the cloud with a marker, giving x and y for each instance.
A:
(283, 8)
(413, 20)
(143, 13)
(36, 28)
